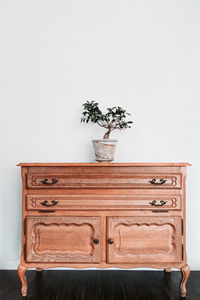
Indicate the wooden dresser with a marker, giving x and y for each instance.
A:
(125, 215)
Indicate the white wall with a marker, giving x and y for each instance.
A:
(54, 55)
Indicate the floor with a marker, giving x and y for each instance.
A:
(99, 285)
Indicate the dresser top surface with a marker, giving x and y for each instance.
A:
(181, 164)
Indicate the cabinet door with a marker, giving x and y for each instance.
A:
(144, 239)
(63, 239)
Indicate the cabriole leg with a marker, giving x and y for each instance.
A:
(21, 272)
(185, 274)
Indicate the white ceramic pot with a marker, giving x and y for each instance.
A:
(104, 150)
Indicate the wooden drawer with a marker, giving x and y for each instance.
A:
(101, 181)
(103, 202)
(144, 239)
(63, 239)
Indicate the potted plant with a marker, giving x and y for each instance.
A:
(114, 118)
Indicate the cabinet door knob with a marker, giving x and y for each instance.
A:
(96, 241)
(110, 241)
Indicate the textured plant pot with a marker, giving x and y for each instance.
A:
(104, 150)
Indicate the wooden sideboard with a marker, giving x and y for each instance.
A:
(102, 215)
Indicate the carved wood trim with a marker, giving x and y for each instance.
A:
(127, 231)
(96, 180)
(36, 244)
(63, 239)
(103, 202)
(153, 248)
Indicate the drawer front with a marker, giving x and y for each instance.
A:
(63, 239)
(103, 202)
(144, 239)
(151, 181)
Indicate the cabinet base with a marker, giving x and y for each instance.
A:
(22, 275)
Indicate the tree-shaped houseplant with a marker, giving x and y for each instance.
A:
(114, 118)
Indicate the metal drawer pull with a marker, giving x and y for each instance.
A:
(110, 241)
(162, 181)
(162, 202)
(45, 203)
(53, 181)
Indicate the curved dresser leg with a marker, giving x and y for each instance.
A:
(21, 272)
(185, 274)
(39, 269)
(168, 270)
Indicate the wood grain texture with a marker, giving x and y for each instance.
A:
(144, 239)
(63, 239)
(81, 202)
(96, 180)
(97, 201)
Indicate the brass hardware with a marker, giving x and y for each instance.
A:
(45, 203)
(162, 202)
(162, 181)
(96, 242)
(53, 181)
(110, 241)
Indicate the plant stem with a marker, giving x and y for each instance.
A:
(107, 134)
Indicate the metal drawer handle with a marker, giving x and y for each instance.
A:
(162, 181)
(45, 203)
(162, 202)
(53, 181)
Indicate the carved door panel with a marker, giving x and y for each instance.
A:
(144, 239)
(63, 239)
